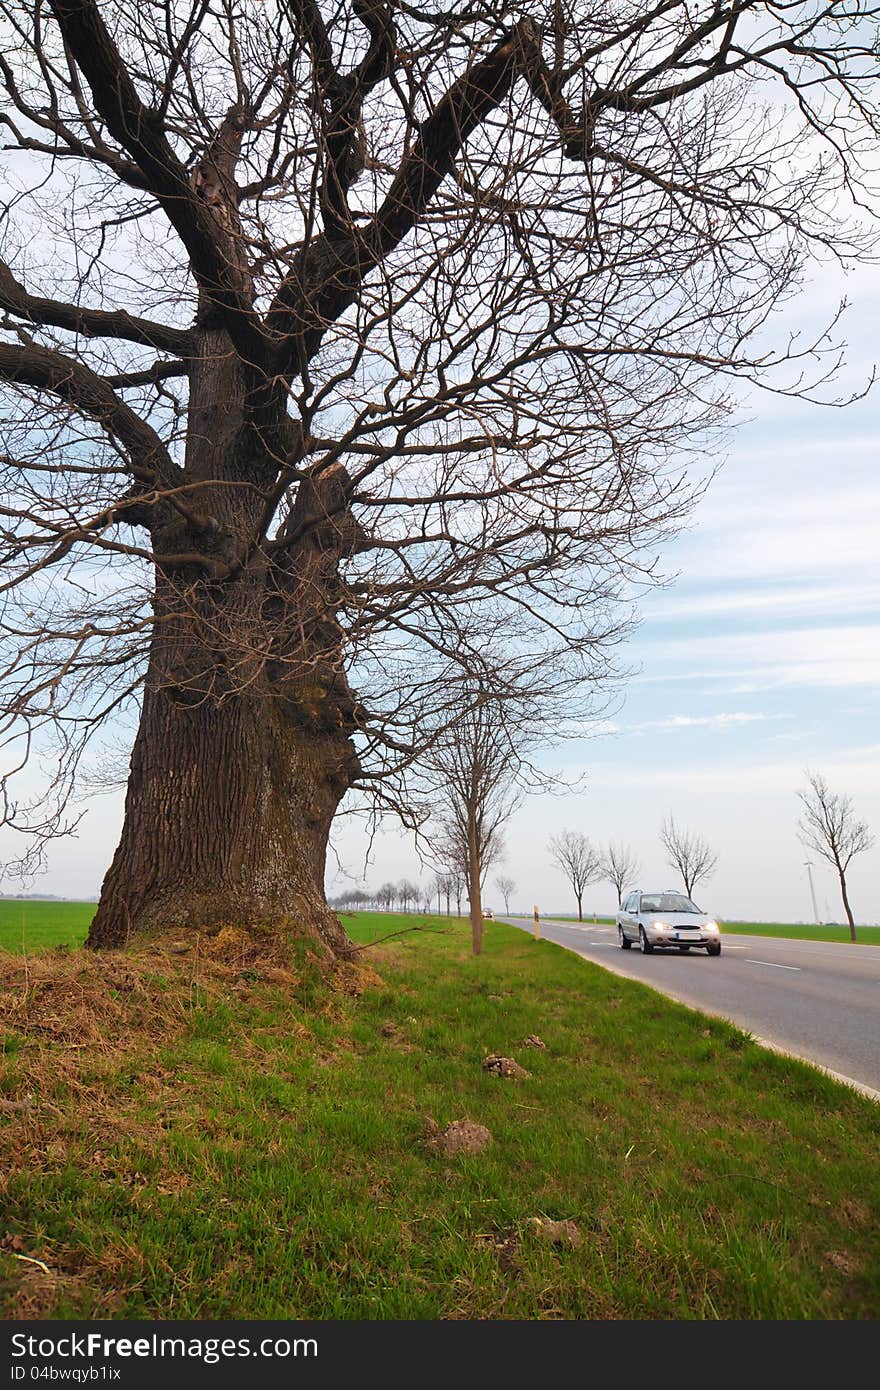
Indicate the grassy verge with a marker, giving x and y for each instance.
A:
(865, 936)
(231, 1132)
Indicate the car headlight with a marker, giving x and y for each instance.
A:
(711, 926)
(660, 926)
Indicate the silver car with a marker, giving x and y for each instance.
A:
(666, 920)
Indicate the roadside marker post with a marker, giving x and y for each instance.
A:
(537, 923)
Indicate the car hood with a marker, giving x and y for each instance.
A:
(680, 919)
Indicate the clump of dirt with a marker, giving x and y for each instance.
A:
(237, 946)
(503, 1066)
(31, 1292)
(505, 1246)
(557, 1232)
(350, 977)
(459, 1137)
(855, 1212)
(534, 1041)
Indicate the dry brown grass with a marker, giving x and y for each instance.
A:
(106, 1001)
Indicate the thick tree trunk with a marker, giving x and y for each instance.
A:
(227, 818)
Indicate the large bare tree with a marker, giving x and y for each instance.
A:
(341, 341)
(688, 852)
(830, 827)
(579, 861)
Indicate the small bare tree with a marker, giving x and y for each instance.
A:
(579, 860)
(506, 886)
(620, 866)
(475, 766)
(830, 828)
(689, 853)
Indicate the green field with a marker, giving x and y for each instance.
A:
(31, 925)
(34, 925)
(224, 1130)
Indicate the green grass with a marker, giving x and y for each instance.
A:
(865, 936)
(200, 1136)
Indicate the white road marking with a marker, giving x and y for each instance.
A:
(772, 964)
(834, 953)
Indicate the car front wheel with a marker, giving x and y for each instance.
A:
(625, 943)
(644, 944)
(713, 950)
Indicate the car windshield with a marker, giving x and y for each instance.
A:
(667, 902)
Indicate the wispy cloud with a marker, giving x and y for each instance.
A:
(706, 721)
(847, 655)
(854, 769)
(779, 602)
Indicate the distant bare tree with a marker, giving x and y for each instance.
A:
(385, 896)
(830, 828)
(407, 893)
(689, 853)
(506, 887)
(620, 865)
(459, 887)
(579, 860)
(444, 884)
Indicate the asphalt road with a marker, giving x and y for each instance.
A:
(817, 1000)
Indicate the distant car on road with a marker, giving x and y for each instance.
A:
(666, 920)
(488, 914)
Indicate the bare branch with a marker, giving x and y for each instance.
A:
(91, 323)
(80, 388)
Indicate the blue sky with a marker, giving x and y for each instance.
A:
(760, 659)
